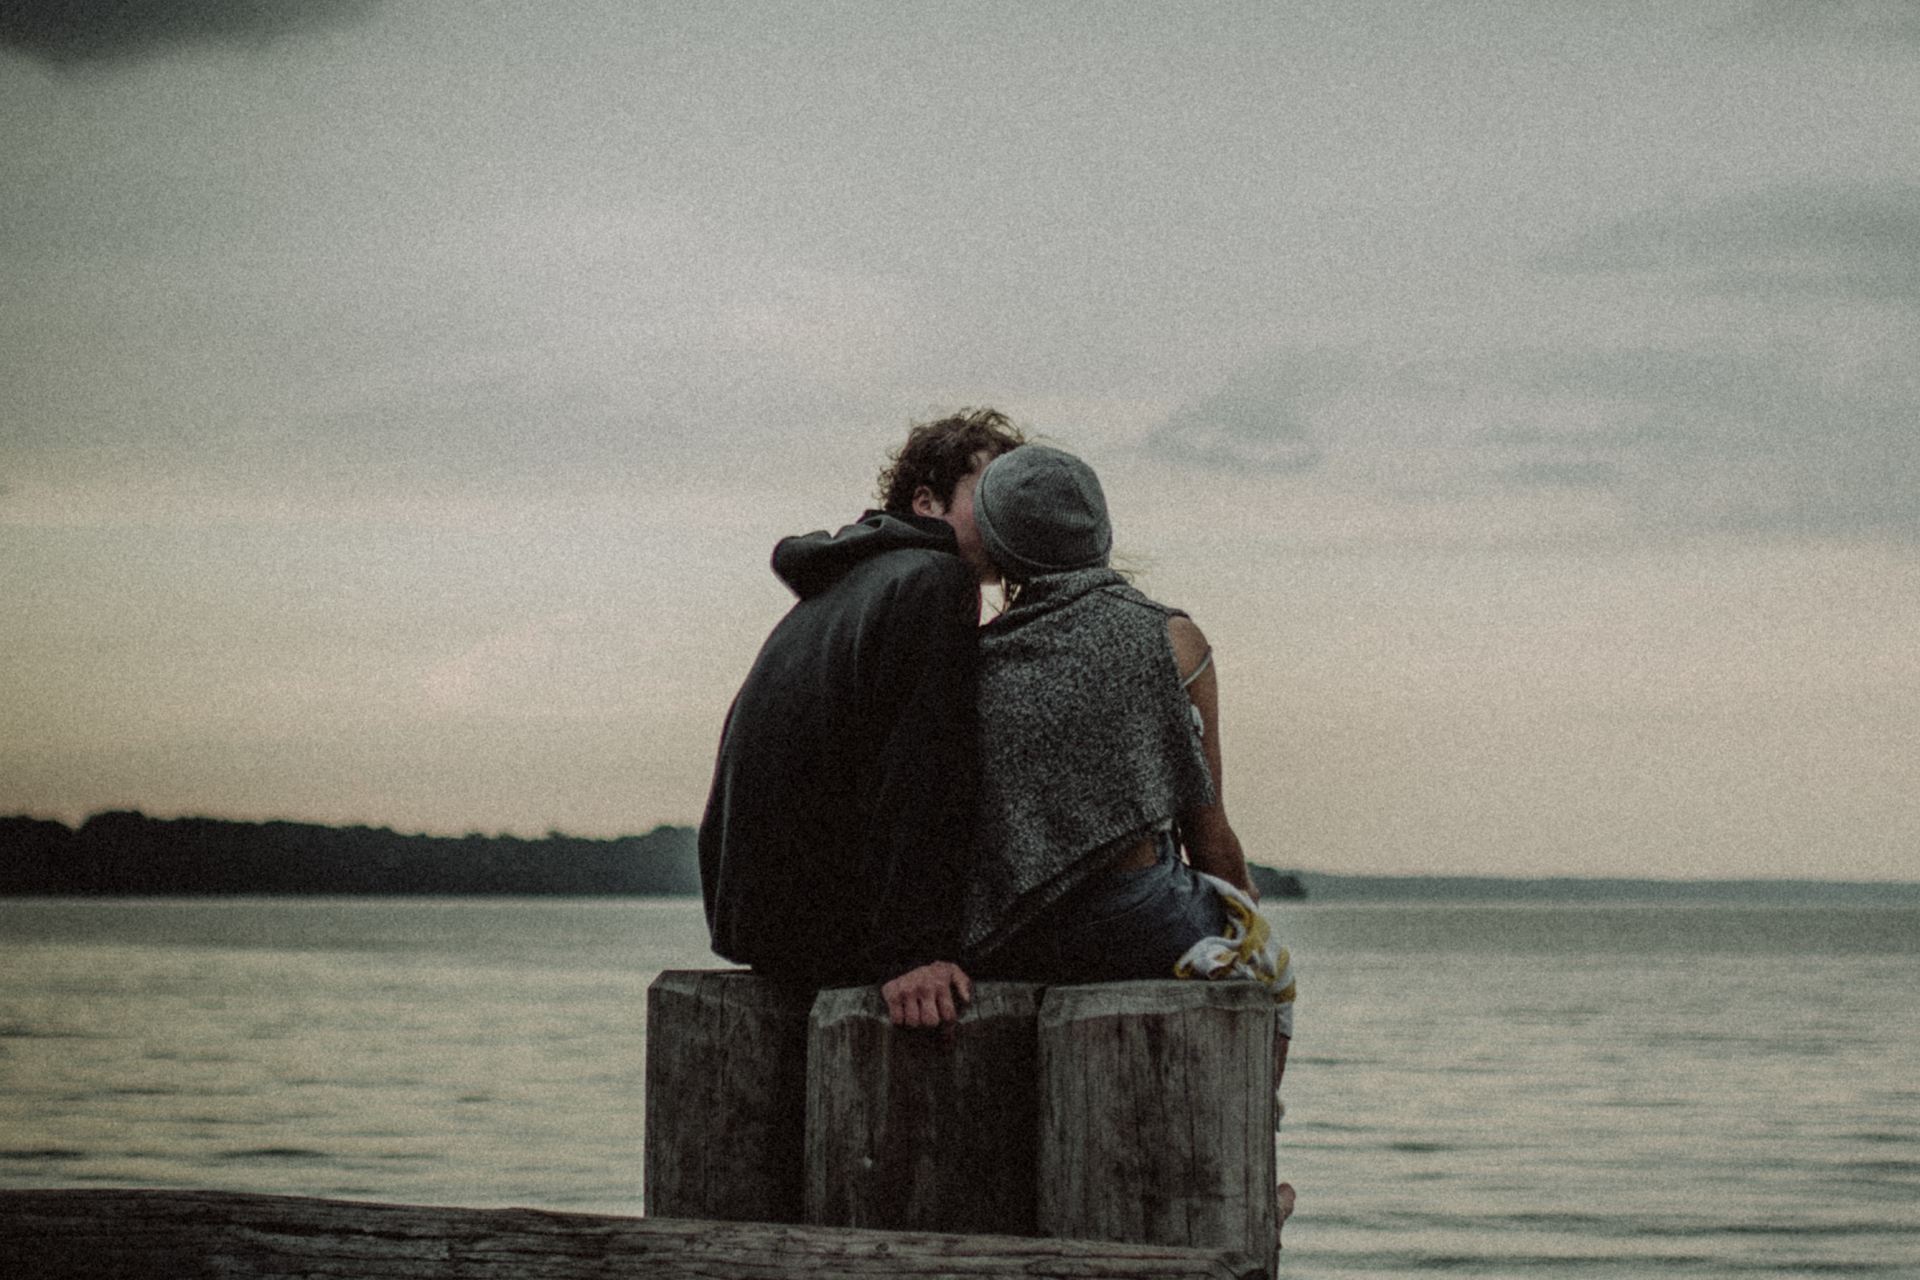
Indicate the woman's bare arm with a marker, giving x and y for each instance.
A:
(1209, 838)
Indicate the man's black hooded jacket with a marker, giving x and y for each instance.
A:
(839, 827)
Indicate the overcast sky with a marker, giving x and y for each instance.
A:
(399, 398)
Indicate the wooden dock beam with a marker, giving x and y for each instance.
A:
(204, 1235)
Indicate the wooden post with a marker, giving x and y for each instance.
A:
(1157, 1114)
(726, 1096)
(910, 1130)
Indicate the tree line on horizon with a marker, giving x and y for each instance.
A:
(125, 852)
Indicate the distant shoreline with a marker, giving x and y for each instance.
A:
(1600, 891)
(127, 854)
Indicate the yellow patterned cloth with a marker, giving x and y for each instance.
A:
(1246, 950)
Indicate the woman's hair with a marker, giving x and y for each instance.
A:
(1127, 568)
(938, 454)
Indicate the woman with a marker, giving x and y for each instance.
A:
(1100, 761)
(1100, 751)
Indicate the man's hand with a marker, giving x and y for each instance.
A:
(930, 996)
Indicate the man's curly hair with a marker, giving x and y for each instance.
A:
(938, 454)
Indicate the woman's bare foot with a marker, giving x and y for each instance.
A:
(1283, 1199)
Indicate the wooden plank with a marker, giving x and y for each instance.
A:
(1157, 1114)
(912, 1130)
(726, 1096)
(204, 1235)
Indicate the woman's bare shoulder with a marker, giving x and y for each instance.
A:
(1189, 642)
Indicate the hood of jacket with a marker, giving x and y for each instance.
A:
(809, 563)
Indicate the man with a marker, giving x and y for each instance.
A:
(838, 832)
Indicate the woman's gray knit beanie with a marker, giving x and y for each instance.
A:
(1040, 510)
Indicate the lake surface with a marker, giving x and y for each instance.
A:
(1489, 1091)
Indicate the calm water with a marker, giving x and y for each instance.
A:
(1489, 1091)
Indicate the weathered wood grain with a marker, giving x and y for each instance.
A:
(910, 1130)
(1157, 1114)
(213, 1235)
(726, 1096)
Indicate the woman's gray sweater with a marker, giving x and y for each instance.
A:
(1086, 743)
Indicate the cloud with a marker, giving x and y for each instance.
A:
(1259, 420)
(1579, 473)
(1574, 443)
(1710, 439)
(1873, 22)
(550, 667)
(77, 31)
(1849, 241)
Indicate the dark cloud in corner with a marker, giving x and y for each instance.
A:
(1871, 22)
(83, 31)
(1849, 241)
